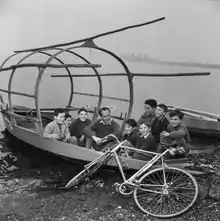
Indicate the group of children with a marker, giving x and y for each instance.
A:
(156, 132)
(153, 132)
(64, 129)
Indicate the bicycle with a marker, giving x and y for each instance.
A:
(162, 192)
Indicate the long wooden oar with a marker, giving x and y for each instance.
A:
(94, 37)
(197, 112)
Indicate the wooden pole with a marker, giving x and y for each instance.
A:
(95, 36)
(50, 66)
(137, 75)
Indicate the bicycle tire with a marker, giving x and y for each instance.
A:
(88, 171)
(160, 201)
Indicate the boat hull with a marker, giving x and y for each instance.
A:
(199, 127)
(73, 152)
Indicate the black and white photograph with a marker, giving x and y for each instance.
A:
(109, 110)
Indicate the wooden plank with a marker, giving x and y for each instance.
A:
(21, 117)
(50, 110)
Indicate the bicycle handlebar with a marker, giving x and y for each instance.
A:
(106, 138)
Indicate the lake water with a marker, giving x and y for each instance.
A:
(190, 33)
(197, 92)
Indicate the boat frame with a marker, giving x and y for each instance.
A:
(13, 116)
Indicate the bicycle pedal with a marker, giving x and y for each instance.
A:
(116, 186)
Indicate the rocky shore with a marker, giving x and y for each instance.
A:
(30, 182)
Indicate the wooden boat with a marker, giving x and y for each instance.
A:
(200, 123)
(27, 124)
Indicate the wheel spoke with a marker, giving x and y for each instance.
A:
(157, 199)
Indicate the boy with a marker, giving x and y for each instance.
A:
(57, 129)
(149, 115)
(67, 122)
(77, 127)
(145, 141)
(177, 136)
(130, 133)
(160, 123)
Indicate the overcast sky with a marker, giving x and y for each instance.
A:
(190, 32)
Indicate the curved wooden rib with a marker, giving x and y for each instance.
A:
(95, 36)
(50, 66)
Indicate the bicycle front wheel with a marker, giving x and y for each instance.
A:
(166, 193)
(80, 177)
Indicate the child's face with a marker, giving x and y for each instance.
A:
(68, 121)
(175, 121)
(60, 118)
(128, 129)
(148, 109)
(83, 115)
(160, 112)
(144, 129)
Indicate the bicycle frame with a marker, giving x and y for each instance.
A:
(113, 152)
(155, 185)
(146, 167)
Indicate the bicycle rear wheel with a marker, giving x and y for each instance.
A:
(157, 198)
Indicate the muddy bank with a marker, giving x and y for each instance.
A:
(30, 180)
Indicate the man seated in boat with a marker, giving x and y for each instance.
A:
(149, 115)
(145, 141)
(160, 123)
(101, 128)
(58, 128)
(77, 127)
(176, 137)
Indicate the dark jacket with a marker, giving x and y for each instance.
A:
(146, 118)
(178, 136)
(77, 127)
(101, 129)
(131, 138)
(158, 126)
(77, 130)
(147, 143)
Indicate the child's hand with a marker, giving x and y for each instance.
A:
(181, 150)
(165, 133)
(82, 138)
(62, 131)
(97, 139)
(53, 136)
(67, 138)
(172, 151)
